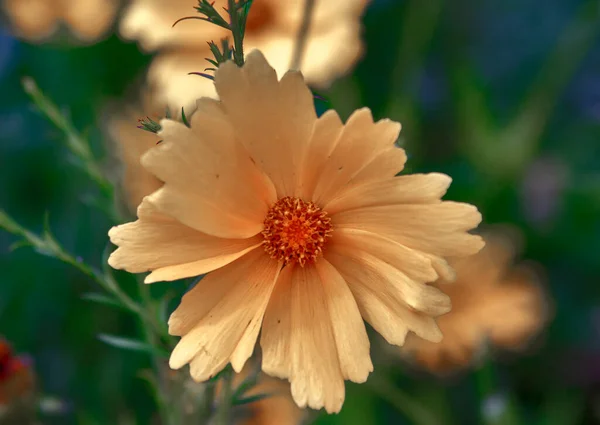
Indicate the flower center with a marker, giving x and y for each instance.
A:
(296, 231)
(260, 16)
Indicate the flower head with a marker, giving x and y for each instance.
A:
(333, 42)
(303, 229)
(490, 302)
(36, 20)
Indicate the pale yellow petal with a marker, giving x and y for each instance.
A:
(408, 189)
(223, 331)
(151, 23)
(273, 120)
(385, 165)
(330, 51)
(90, 19)
(348, 328)
(360, 142)
(380, 292)
(414, 264)
(416, 295)
(316, 378)
(170, 82)
(210, 183)
(437, 229)
(326, 133)
(34, 19)
(277, 328)
(158, 242)
(132, 143)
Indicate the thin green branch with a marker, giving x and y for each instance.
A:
(302, 38)
(46, 244)
(76, 143)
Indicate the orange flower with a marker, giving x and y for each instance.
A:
(304, 229)
(38, 19)
(333, 43)
(16, 377)
(490, 301)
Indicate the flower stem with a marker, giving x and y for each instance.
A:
(302, 37)
(224, 409)
(237, 31)
(411, 408)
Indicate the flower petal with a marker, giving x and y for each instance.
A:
(34, 20)
(416, 295)
(316, 377)
(151, 22)
(277, 328)
(273, 120)
(380, 301)
(437, 229)
(413, 263)
(132, 143)
(227, 307)
(319, 67)
(210, 182)
(171, 82)
(174, 251)
(408, 189)
(360, 142)
(348, 327)
(327, 131)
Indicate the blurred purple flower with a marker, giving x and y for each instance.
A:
(7, 49)
(542, 189)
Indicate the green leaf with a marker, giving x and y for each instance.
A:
(131, 345)
(251, 399)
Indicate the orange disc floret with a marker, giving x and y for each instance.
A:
(296, 231)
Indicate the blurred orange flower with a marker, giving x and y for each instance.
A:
(131, 143)
(491, 301)
(299, 221)
(333, 43)
(37, 20)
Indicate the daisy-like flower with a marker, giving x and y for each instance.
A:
(16, 376)
(333, 42)
(131, 143)
(303, 229)
(491, 302)
(36, 20)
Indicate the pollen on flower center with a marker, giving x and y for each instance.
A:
(296, 231)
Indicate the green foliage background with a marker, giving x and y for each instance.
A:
(502, 95)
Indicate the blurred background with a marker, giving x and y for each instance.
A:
(504, 96)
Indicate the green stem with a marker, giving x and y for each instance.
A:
(74, 141)
(46, 244)
(237, 32)
(302, 37)
(223, 415)
(410, 407)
